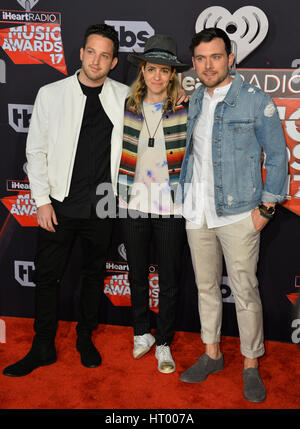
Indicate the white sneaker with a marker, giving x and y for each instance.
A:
(142, 344)
(166, 363)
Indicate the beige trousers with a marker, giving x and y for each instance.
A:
(239, 243)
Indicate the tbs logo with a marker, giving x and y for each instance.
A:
(132, 34)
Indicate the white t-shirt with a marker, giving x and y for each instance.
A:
(151, 188)
(200, 199)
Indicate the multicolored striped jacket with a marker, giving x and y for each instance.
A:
(174, 127)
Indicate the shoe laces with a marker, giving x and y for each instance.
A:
(164, 352)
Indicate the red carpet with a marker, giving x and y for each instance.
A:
(124, 383)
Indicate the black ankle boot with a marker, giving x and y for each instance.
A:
(90, 357)
(42, 353)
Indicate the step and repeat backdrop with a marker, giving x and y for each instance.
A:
(40, 42)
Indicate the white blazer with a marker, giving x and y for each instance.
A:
(54, 131)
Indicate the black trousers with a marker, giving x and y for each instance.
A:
(53, 250)
(168, 234)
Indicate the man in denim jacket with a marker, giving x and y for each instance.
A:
(231, 124)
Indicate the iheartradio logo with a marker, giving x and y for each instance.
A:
(246, 28)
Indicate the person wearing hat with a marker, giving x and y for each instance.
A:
(153, 149)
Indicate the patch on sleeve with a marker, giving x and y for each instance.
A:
(269, 110)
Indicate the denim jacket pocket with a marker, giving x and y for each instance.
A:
(240, 132)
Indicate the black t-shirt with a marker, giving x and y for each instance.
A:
(92, 160)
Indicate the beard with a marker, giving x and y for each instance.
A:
(215, 80)
(95, 77)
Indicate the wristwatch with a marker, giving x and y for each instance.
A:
(267, 212)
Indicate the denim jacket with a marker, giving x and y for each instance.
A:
(245, 123)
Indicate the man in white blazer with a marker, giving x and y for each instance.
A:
(73, 152)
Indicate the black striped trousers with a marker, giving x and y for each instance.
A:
(168, 233)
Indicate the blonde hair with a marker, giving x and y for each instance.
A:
(138, 91)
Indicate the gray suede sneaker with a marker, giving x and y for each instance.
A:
(254, 389)
(202, 368)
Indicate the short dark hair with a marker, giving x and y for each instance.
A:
(103, 30)
(207, 35)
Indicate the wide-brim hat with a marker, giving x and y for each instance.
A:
(159, 49)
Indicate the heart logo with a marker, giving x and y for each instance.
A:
(246, 28)
(27, 4)
(122, 251)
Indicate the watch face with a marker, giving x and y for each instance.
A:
(271, 210)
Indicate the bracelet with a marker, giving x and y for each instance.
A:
(266, 212)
